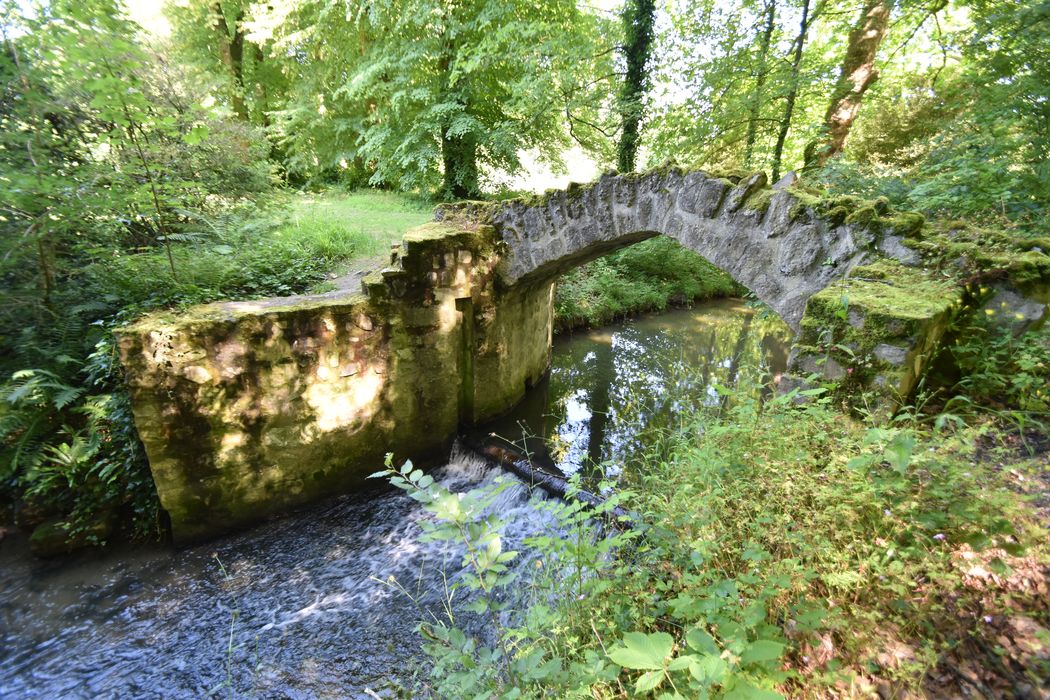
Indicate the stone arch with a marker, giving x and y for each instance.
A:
(767, 239)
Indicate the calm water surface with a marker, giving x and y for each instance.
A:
(301, 607)
(611, 391)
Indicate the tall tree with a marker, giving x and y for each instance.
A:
(708, 57)
(857, 74)
(431, 93)
(638, 20)
(230, 43)
(765, 39)
(215, 36)
(794, 83)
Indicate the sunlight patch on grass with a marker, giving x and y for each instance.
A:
(353, 225)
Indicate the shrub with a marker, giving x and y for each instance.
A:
(648, 276)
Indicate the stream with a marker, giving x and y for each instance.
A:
(304, 606)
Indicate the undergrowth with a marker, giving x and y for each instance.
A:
(773, 550)
(70, 457)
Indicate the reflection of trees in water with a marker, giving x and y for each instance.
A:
(613, 392)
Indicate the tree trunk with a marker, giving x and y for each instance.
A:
(857, 75)
(638, 17)
(792, 96)
(231, 53)
(760, 82)
(460, 158)
(459, 154)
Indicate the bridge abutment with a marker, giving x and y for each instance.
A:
(251, 408)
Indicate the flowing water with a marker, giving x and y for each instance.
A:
(303, 606)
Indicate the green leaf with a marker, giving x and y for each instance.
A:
(700, 640)
(709, 669)
(682, 662)
(195, 135)
(648, 681)
(643, 651)
(898, 452)
(762, 650)
(745, 691)
(860, 462)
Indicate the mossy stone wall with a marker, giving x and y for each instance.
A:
(248, 409)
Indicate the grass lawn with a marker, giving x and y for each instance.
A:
(364, 223)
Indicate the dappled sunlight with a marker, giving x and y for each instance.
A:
(339, 403)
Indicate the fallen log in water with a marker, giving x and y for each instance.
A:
(521, 466)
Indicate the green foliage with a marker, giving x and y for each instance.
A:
(1002, 373)
(645, 277)
(777, 555)
(518, 658)
(77, 453)
(966, 137)
(424, 95)
(728, 101)
(246, 253)
(222, 41)
(105, 160)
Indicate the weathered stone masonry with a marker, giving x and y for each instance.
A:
(250, 408)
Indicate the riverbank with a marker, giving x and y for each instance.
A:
(650, 276)
(784, 551)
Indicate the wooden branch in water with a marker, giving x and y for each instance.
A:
(519, 465)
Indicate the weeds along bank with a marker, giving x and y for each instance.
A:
(772, 551)
(787, 550)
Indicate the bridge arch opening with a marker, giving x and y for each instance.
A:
(764, 238)
(652, 275)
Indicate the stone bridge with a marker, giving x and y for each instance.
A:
(251, 408)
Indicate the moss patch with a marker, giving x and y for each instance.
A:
(879, 328)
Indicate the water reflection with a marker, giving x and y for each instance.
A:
(612, 391)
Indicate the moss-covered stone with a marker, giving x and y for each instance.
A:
(251, 408)
(882, 325)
